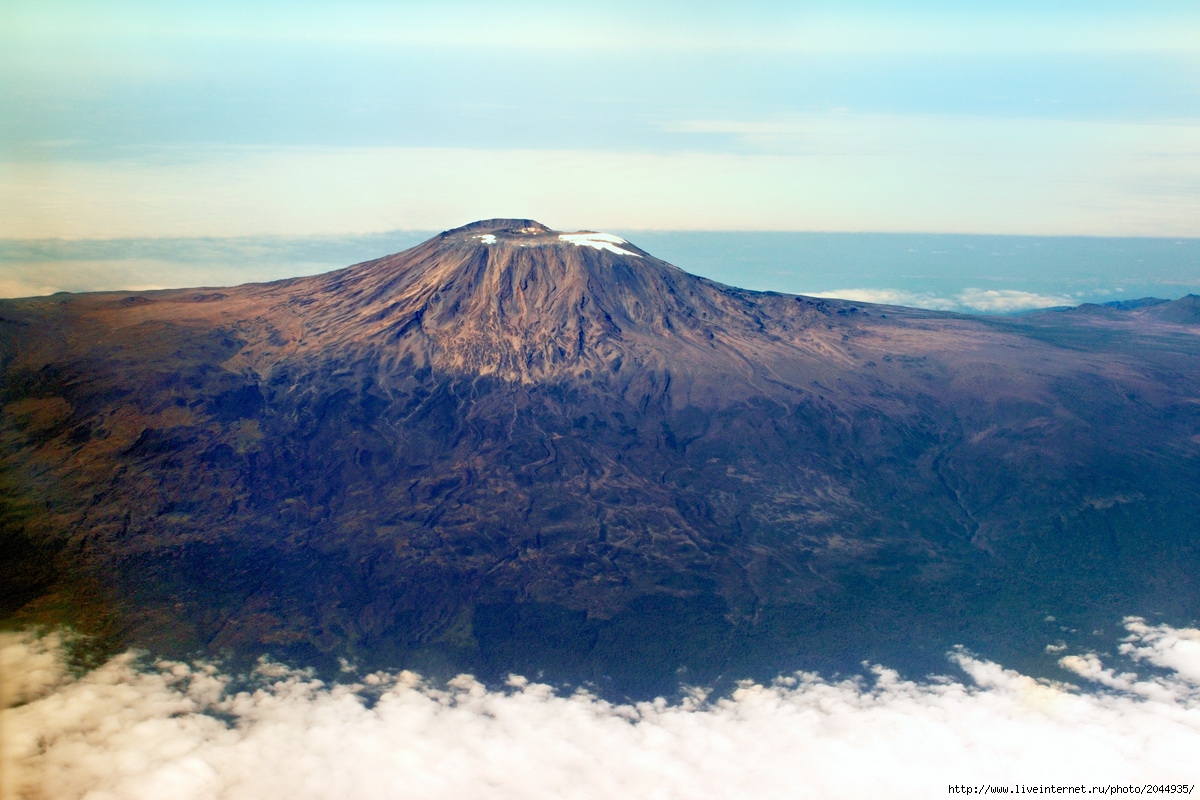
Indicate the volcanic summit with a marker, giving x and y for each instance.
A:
(515, 300)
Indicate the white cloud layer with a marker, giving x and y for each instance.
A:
(181, 731)
(988, 301)
(893, 297)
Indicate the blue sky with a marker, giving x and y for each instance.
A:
(185, 119)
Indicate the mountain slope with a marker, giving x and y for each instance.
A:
(513, 447)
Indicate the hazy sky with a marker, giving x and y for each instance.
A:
(125, 119)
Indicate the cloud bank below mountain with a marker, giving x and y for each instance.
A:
(134, 730)
(987, 301)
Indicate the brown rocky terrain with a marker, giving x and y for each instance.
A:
(509, 448)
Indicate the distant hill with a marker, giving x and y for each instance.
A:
(1184, 311)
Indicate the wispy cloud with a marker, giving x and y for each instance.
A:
(185, 731)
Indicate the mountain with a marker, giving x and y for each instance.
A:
(515, 449)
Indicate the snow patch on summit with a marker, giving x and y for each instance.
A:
(487, 238)
(600, 241)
